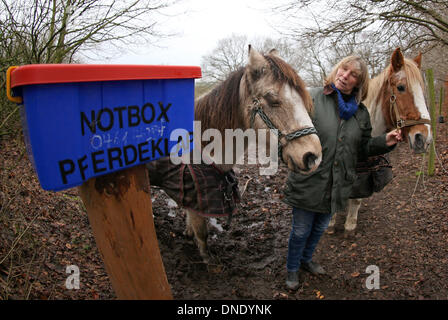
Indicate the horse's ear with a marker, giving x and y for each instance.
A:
(397, 60)
(418, 60)
(256, 60)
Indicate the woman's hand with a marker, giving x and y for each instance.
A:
(393, 137)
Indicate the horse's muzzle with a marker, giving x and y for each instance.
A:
(419, 143)
(309, 160)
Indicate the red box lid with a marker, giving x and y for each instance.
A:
(58, 73)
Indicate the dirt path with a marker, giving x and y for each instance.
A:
(41, 233)
(402, 232)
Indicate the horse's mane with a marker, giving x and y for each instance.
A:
(378, 84)
(219, 108)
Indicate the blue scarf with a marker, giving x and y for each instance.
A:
(346, 108)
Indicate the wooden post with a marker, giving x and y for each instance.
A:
(445, 99)
(441, 119)
(432, 111)
(120, 213)
(440, 100)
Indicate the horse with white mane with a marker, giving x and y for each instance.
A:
(395, 100)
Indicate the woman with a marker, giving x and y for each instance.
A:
(344, 130)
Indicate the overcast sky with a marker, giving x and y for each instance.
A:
(204, 24)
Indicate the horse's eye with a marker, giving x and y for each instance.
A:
(401, 88)
(272, 100)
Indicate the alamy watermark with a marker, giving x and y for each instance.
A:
(262, 147)
(373, 281)
(72, 281)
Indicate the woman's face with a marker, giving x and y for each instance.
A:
(347, 77)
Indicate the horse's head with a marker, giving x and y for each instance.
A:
(275, 97)
(404, 103)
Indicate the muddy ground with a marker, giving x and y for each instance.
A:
(402, 230)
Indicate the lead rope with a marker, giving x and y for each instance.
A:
(421, 173)
(393, 106)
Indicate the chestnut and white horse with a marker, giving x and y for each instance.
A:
(395, 100)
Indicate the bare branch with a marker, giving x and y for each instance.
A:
(52, 31)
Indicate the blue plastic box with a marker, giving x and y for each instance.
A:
(83, 121)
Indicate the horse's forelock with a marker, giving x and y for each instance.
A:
(413, 73)
(380, 82)
(284, 73)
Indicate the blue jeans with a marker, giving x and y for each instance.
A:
(307, 228)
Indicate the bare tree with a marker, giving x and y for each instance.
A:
(319, 55)
(228, 56)
(231, 53)
(309, 56)
(56, 31)
(53, 31)
(406, 23)
(369, 28)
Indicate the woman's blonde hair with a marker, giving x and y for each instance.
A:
(362, 87)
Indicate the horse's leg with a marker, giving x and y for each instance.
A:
(188, 228)
(352, 215)
(198, 225)
(331, 225)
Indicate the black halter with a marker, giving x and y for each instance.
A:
(257, 109)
